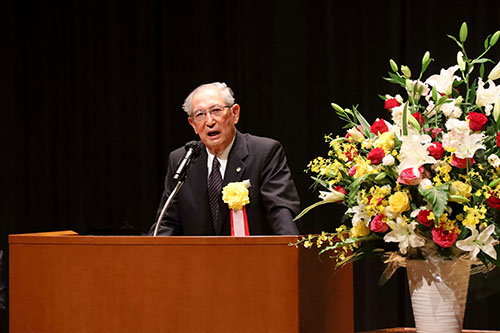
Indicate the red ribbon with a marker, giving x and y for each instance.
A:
(239, 223)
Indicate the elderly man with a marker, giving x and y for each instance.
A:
(228, 156)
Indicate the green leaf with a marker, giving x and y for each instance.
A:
(405, 119)
(481, 71)
(456, 41)
(414, 122)
(363, 122)
(434, 94)
(494, 38)
(442, 100)
(438, 197)
(463, 32)
(480, 61)
(353, 189)
(320, 181)
(397, 79)
(472, 96)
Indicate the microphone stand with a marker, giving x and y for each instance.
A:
(167, 204)
(192, 151)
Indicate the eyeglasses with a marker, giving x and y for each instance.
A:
(215, 111)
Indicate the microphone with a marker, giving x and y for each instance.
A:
(193, 150)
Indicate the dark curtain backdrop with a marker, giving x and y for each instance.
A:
(92, 91)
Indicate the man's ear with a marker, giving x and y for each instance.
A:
(235, 109)
(191, 122)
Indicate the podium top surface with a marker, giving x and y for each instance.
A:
(71, 237)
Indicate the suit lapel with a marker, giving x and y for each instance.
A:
(236, 165)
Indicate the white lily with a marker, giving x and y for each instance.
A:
(417, 85)
(479, 242)
(356, 134)
(444, 80)
(496, 109)
(451, 110)
(404, 234)
(487, 96)
(360, 215)
(414, 152)
(495, 73)
(469, 145)
(460, 140)
(332, 195)
(460, 60)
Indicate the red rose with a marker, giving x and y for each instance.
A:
(377, 225)
(379, 127)
(411, 176)
(420, 118)
(352, 171)
(444, 238)
(423, 217)
(340, 189)
(476, 121)
(436, 150)
(434, 132)
(350, 154)
(461, 162)
(391, 103)
(376, 155)
(498, 139)
(493, 201)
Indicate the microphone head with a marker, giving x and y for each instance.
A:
(195, 146)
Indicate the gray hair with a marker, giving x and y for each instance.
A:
(225, 91)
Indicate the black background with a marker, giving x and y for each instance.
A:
(92, 93)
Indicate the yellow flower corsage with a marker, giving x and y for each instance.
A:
(236, 194)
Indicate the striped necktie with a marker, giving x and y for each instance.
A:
(215, 193)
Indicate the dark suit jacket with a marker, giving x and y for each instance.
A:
(274, 200)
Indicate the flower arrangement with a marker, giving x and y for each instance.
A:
(426, 183)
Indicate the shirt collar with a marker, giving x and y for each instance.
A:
(223, 155)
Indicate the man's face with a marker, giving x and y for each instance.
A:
(215, 131)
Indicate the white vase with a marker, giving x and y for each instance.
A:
(438, 291)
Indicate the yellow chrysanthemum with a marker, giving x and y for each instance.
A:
(235, 195)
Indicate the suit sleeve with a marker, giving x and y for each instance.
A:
(278, 192)
(170, 224)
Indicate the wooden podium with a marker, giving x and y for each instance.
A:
(63, 282)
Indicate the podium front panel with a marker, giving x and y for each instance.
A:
(63, 282)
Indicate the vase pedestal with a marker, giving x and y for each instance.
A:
(438, 291)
